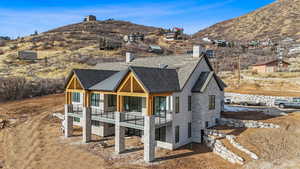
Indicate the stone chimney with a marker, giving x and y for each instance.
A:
(197, 51)
(129, 57)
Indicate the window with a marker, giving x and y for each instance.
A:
(160, 106)
(76, 97)
(160, 134)
(112, 100)
(95, 123)
(212, 102)
(206, 124)
(133, 104)
(217, 121)
(190, 103)
(95, 99)
(76, 119)
(111, 125)
(189, 130)
(177, 104)
(177, 134)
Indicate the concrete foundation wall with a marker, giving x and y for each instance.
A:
(164, 145)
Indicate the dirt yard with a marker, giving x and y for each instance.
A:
(33, 140)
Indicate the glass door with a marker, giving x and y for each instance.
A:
(160, 106)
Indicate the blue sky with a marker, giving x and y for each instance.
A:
(20, 17)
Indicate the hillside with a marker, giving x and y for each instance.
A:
(74, 46)
(278, 20)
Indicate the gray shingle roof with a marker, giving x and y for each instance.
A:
(148, 71)
(111, 83)
(89, 77)
(204, 79)
(157, 80)
(184, 64)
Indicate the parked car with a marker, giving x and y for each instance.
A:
(283, 103)
(250, 103)
(227, 101)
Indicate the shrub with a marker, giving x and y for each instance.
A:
(14, 88)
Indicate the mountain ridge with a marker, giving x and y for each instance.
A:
(278, 19)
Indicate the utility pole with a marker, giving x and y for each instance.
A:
(239, 70)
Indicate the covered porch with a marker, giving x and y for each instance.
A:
(130, 106)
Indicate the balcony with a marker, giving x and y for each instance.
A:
(103, 116)
(75, 110)
(136, 119)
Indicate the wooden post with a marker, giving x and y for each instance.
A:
(118, 103)
(149, 105)
(121, 103)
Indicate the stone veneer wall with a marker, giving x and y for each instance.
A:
(269, 100)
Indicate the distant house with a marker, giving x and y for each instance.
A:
(27, 55)
(90, 18)
(109, 44)
(133, 37)
(210, 53)
(276, 65)
(2, 42)
(155, 49)
(174, 34)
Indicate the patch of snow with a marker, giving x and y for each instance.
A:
(228, 108)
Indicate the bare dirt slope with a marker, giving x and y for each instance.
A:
(279, 19)
(35, 141)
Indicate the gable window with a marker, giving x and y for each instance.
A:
(190, 103)
(189, 130)
(212, 102)
(112, 100)
(95, 99)
(177, 134)
(76, 97)
(177, 101)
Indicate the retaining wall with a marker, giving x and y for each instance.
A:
(246, 123)
(269, 100)
(222, 151)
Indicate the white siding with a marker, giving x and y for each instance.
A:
(201, 112)
(184, 116)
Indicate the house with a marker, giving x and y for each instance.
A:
(167, 100)
(155, 49)
(109, 44)
(134, 37)
(276, 65)
(90, 18)
(174, 34)
(27, 55)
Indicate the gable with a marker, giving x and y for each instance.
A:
(204, 79)
(74, 83)
(131, 84)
